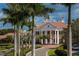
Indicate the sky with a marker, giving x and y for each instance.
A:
(60, 11)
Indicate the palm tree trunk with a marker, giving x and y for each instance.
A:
(15, 40)
(33, 38)
(69, 31)
(29, 40)
(19, 40)
(29, 43)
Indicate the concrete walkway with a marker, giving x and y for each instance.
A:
(42, 51)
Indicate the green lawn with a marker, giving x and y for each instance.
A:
(52, 52)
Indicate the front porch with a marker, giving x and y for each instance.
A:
(53, 37)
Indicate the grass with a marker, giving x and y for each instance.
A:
(51, 52)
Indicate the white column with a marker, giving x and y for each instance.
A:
(57, 36)
(15, 41)
(46, 41)
(45, 32)
(33, 43)
(51, 41)
(51, 38)
(41, 41)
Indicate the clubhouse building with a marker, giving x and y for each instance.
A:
(53, 31)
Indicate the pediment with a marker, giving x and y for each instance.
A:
(47, 26)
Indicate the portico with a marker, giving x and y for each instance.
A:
(53, 37)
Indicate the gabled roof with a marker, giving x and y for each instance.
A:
(55, 24)
(59, 24)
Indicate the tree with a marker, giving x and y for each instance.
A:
(37, 10)
(69, 44)
(69, 40)
(75, 30)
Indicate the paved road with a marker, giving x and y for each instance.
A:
(39, 52)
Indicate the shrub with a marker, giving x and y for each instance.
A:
(60, 52)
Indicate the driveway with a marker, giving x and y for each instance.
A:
(42, 51)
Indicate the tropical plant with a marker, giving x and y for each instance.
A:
(16, 15)
(69, 40)
(69, 44)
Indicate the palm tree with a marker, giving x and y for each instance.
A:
(69, 44)
(36, 10)
(69, 30)
(69, 41)
(15, 14)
